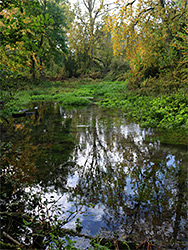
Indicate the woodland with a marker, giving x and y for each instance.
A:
(141, 43)
(137, 40)
(126, 55)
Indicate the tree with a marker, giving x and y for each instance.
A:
(89, 42)
(180, 43)
(143, 31)
(11, 36)
(33, 34)
(52, 42)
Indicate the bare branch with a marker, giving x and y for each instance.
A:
(85, 3)
(179, 15)
(146, 10)
(11, 239)
(105, 11)
(130, 3)
(81, 19)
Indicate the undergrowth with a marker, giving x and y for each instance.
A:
(164, 110)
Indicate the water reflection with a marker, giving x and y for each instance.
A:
(142, 187)
(137, 189)
(52, 133)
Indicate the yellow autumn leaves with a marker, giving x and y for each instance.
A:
(143, 31)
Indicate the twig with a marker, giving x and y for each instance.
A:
(116, 244)
(101, 240)
(11, 239)
(152, 245)
(149, 245)
(143, 243)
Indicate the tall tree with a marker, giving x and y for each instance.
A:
(87, 35)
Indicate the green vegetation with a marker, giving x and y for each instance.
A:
(164, 111)
(133, 59)
(32, 37)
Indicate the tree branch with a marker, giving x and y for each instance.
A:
(98, 59)
(130, 3)
(142, 13)
(179, 15)
(11, 239)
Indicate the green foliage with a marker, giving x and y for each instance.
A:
(166, 111)
(78, 225)
(101, 89)
(73, 94)
(57, 243)
(117, 69)
(95, 243)
(126, 245)
(99, 247)
(32, 37)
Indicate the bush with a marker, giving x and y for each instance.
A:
(117, 70)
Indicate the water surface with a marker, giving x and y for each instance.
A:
(95, 162)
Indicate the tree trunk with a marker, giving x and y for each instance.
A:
(33, 68)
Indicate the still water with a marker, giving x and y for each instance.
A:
(95, 162)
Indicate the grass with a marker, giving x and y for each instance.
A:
(78, 93)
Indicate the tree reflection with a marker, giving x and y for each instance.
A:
(54, 134)
(41, 145)
(18, 169)
(33, 151)
(142, 185)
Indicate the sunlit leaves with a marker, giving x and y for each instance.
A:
(31, 32)
(143, 32)
(181, 44)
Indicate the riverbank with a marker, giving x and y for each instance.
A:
(149, 106)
